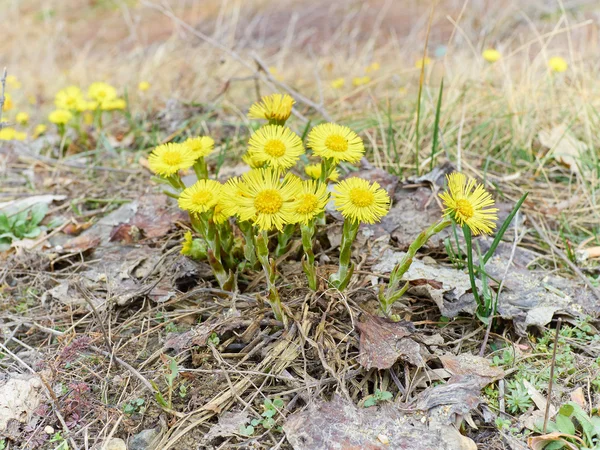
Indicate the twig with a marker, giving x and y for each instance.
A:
(564, 257)
(3, 83)
(550, 382)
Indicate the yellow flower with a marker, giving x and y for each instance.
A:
(60, 116)
(373, 67)
(13, 82)
(101, 92)
(220, 213)
(469, 204)
(337, 142)
(360, 81)
(7, 134)
(230, 196)
(422, 62)
(200, 197)
(272, 107)
(39, 130)
(557, 64)
(8, 103)
(186, 245)
(70, 98)
(168, 159)
(201, 146)
(338, 83)
(143, 86)
(113, 104)
(22, 118)
(361, 201)
(314, 171)
(277, 146)
(310, 201)
(491, 55)
(252, 161)
(266, 200)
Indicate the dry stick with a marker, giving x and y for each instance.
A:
(564, 257)
(3, 83)
(547, 412)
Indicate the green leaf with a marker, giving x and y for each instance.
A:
(255, 422)
(35, 232)
(268, 423)
(246, 431)
(370, 401)
(278, 403)
(38, 212)
(566, 410)
(4, 225)
(269, 413)
(565, 425)
(384, 395)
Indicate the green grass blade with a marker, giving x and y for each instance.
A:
(503, 229)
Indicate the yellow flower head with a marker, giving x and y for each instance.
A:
(230, 196)
(557, 64)
(361, 81)
(60, 116)
(113, 104)
(22, 118)
(338, 83)
(491, 55)
(469, 204)
(314, 171)
(201, 146)
(276, 107)
(373, 67)
(13, 82)
(220, 213)
(361, 201)
(143, 86)
(276, 146)
(70, 99)
(252, 161)
(39, 130)
(8, 103)
(422, 62)
(168, 159)
(7, 134)
(310, 201)
(336, 142)
(266, 200)
(186, 245)
(200, 197)
(101, 92)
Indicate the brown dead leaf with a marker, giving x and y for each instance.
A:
(564, 147)
(540, 442)
(126, 234)
(75, 227)
(579, 397)
(467, 364)
(81, 243)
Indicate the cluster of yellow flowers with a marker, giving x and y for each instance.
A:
(71, 101)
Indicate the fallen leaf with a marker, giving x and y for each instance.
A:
(467, 364)
(229, 425)
(540, 442)
(579, 397)
(564, 147)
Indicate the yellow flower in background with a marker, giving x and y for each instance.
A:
(275, 73)
(336, 142)
(338, 83)
(8, 103)
(101, 92)
(186, 245)
(373, 67)
(70, 98)
(310, 201)
(13, 82)
(468, 203)
(32, 99)
(22, 118)
(39, 130)
(7, 134)
(361, 81)
(60, 116)
(201, 146)
(200, 197)
(491, 55)
(272, 107)
(557, 64)
(314, 171)
(266, 200)
(361, 201)
(275, 145)
(168, 159)
(422, 62)
(113, 104)
(143, 86)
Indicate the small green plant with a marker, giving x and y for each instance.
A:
(62, 442)
(270, 409)
(170, 327)
(22, 225)
(134, 406)
(2, 444)
(172, 371)
(576, 426)
(377, 397)
(508, 358)
(214, 339)
(518, 399)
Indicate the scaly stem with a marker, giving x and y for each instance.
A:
(327, 167)
(226, 239)
(308, 262)
(387, 299)
(249, 250)
(341, 279)
(262, 252)
(200, 169)
(283, 240)
(208, 230)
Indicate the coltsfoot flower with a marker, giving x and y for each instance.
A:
(101, 92)
(275, 145)
(13, 82)
(491, 55)
(558, 64)
(168, 159)
(112, 104)
(8, 103)
(22, 118)
(336, 142)
(314, 171)
(143, 86)
(266, 200)
(361, 81)
(9, 134)
(468, 203)
(422, 62)
(338, 83)
(200, 197)
(39, 130)
(277, 107)
(361, 201)
(71, 99)
(201, 146)
(310, 201)
(60, 116)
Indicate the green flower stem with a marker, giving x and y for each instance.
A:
(308, 262)
(249, 247)
(176, 181)
(387, 299)
(208, 230)
(283, 240)
(481, 308)
(341, 279)
(200, 169)
(327, 167)
(227, 241)
(268, 265)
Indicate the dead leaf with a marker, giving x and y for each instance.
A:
(540, 442)
(229, 425)
(14, 206)
(564, 147)
(579, 397)
(467, 364)
(339, 424)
